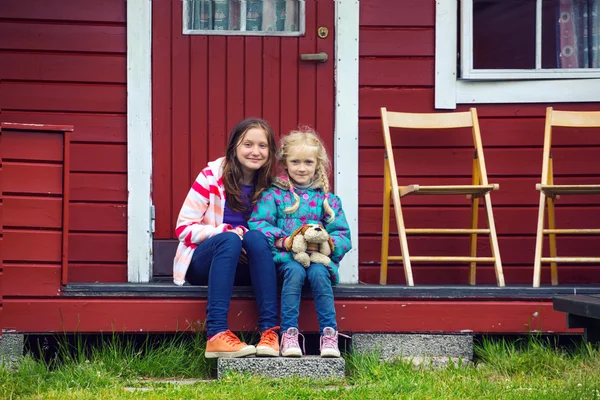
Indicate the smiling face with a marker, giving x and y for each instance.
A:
(301, 164)
(252, 150)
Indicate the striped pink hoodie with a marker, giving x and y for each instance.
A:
(201, 216)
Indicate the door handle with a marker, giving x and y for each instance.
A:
(320, 57)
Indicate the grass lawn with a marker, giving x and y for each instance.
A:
(526, 368)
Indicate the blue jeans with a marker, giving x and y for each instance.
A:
(294, 276)
(215, 263)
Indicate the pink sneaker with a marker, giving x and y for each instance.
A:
(289, 343)
(329, 343)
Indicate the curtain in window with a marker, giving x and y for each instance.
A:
(579, 34)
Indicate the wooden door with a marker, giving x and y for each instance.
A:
(203, 85)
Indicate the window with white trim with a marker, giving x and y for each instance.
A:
(244, 17)
(517, 51)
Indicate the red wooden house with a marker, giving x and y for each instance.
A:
(109, 108)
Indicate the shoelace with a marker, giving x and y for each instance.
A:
(230, 338)
(294, 340)
(330, 342)
(269, 336)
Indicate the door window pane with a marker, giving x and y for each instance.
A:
(275, 17)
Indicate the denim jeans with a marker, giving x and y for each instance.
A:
(215, 263)
(294, 276)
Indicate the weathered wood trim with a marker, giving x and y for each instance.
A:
(346, 126)
(139, 140)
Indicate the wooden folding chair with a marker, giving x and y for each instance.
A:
(479, 188)
(549, 192)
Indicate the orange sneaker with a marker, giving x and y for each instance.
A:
(269, 343)
(227, 345)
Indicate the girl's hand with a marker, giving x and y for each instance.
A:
(237, 231)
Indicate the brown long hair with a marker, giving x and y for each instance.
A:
(232, 169)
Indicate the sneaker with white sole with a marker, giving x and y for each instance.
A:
(329, 343)
(268, 346)
(227, 345)
(290, 347)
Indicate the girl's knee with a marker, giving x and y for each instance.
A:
(255, 235)
(231, 241)
(318, 274)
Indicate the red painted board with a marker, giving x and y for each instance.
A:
(515, 191)
(31, 146)
(32, 212)
(402, 99)
(459, 274)
(253, 77)
(161, 115)
(307, 70)
(499, 161)
(98, 157)
(271, 90)
(217, 97)
(397, 72)
(31, 280)
(63, 37)
(513, 250)
(396, 42)
(32, 178)
(235, 83)
(98, 187)
(97, 272)
(107, 68)
(19, 126)
(63, 97)
(109, 128)
(181, 179)
(289, 86)
(97, 247)
(98, 217)
(70, 10)
(19, 246)
(165, 315)
(405, 13)
(325, 82)
(509, 220)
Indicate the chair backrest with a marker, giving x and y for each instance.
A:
(572, 119)
(464, 119)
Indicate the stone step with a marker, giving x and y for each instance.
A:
(418, 346)
(282, 367)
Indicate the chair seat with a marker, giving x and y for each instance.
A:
(553, 190)
(473, 190)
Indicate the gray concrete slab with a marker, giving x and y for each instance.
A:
(11, 348)
(281, 367)
(394, 345)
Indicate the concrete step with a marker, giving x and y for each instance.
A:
(282, 367)
(423, 347)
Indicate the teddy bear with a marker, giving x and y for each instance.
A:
(310, 233)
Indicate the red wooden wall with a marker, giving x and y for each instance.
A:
(204, 85)
(64, 62)
(397, 48)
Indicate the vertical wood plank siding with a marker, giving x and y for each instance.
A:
(397, 51)
(64, 62)
(204, 85)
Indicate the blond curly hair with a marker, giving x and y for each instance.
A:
(306, 137)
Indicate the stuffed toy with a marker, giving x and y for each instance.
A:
(311, 233)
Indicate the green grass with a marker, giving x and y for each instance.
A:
(526, 368)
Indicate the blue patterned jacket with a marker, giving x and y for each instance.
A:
(269, 218)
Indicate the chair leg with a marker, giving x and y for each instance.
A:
(494, 241)
(539, 242)
(403, 241)
(552, 241)
(473, 244)
(385, 237)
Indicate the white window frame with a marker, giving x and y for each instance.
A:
(450, 90)
(242, 31)
(466, 55)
